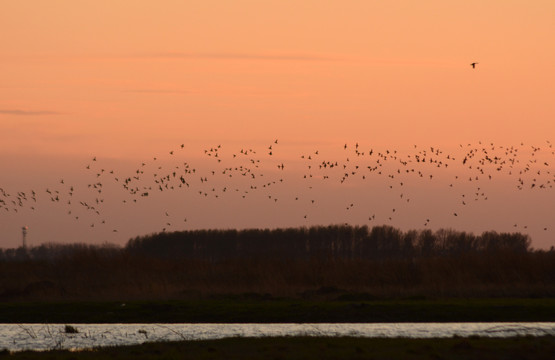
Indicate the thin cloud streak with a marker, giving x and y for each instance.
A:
(27, 113)
(156, 91)
(237, 56)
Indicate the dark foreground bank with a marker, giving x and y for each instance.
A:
(320, 348)
(259, 309)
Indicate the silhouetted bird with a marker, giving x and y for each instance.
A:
(474, 65)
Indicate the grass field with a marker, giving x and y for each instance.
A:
(258, 309)
(319, 348)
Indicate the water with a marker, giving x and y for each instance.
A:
(17, 337)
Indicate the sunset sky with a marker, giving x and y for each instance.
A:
(129, 80)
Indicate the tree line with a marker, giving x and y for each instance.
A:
(325, 242)
(318, 242)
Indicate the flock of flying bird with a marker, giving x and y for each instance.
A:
(262, 172)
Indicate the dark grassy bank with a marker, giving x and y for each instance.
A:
(261, 310)
(321, 348)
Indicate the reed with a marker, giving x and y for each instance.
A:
(430, 267)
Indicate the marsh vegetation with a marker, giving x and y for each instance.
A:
(305, 263)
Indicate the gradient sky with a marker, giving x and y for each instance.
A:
(129, 80)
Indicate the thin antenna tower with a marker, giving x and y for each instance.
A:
(24, 235)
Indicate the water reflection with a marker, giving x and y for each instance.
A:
(16, 337)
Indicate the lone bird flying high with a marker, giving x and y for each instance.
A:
(473, 65)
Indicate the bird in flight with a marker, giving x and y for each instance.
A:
(474, 65)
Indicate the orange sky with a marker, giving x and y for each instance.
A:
(128, 80)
